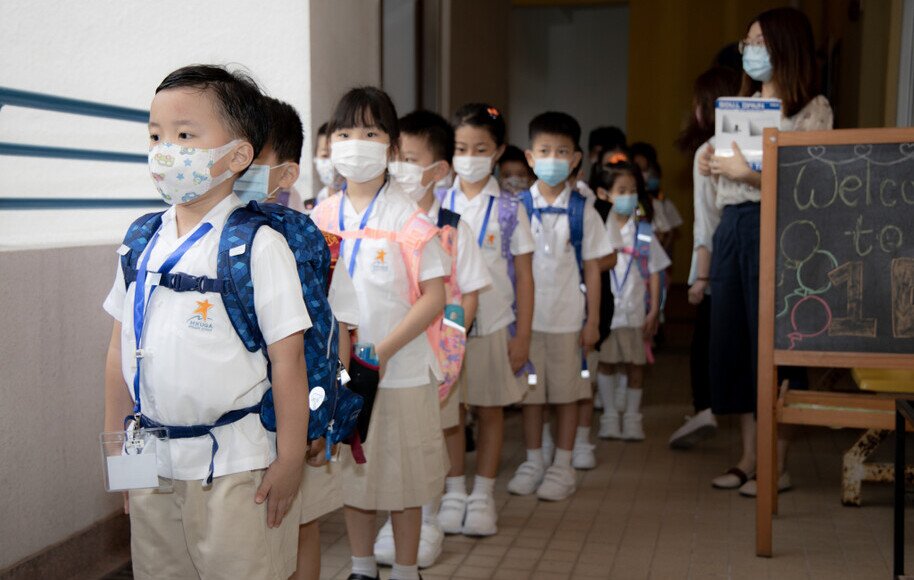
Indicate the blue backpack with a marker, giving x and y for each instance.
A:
(641, 252)
(575, 212)
(335, 409)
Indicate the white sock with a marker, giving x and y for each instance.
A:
(430, 510)
(366, 566)
(606, 385)
(633, 402)
(621, 391)
(536, 456)
(547, 435)
(401, 572)
(456, 484)
(582, 436)
(484, 486)
(562, 458)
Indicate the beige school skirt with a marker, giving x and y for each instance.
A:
(486, 379)
(624, 345)
(406, 460)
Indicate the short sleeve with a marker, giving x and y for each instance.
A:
(673, 217)
(434, 263)
(658, 260)
(278, 299)
(660, 223)
(707, 214)
(114, 302)
(342, 297)
(522, 237)
(472, 273)
(614, 234)
(596, 240)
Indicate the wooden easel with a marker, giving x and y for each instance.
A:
(805, 408)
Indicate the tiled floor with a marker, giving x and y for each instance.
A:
(649, 512)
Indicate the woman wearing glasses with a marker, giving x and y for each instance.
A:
(778, 62)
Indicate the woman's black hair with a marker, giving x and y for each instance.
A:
(605, 176)
(366, 107)
(717, 81)
(483, 116)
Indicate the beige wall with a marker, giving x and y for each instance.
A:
(53, 339)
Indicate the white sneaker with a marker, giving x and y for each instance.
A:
(632, 428)
(582, 456)
(610, 426)
(558, 484)
(750, 488)
(431, 539)
(384, 549)
(452, 511)
(548, 446)
(698, 428)
(527, 478)
(481, 516)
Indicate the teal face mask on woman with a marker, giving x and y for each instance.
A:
(551, 170)
(757, 63)
(625, 204)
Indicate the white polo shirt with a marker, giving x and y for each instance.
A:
(628, 292)
(559, 303)
(343, 298)
(382, 285)
(495, 311)
(472, 274)
(196, 368)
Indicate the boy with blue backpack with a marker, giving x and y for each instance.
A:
(570, 240)
(196, 351)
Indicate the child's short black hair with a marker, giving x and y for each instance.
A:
(647, 151)
(605, 177)
(434, 129)
(366, 107)
(238, 98)
(286, 133)
(322, 130)
(555, 123)
(513, 153)
(606, 139)
(484, 116)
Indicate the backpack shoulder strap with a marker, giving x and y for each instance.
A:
(233, 265)
(412, 238)
(576, 207)
(526, 198)
(644, 233)
(326, 213)
(135, 241)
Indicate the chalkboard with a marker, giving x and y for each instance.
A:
(844, 262)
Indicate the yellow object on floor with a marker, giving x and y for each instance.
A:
(884, 380)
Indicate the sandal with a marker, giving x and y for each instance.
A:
(732, 479)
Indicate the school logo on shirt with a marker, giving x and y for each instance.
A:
(489, 242)
(200, 319)
(380, 262)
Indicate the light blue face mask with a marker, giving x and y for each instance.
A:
(625, 204)
(551, 170)
(757, 63)
(252, 186)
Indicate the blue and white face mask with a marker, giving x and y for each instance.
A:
(551, 170)
(625, 204)
(757, 63)
(182, 174)
(254, 184)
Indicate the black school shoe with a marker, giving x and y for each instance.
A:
(363, 577)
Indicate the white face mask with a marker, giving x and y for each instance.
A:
(182, 174)
(358, 160)
(325, 170)
(473, 169)
(409, 177)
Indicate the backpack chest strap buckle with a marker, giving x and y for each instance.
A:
(180, 282)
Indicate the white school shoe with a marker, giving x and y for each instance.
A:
(610, 426)
(696, 429)
(527, 478)
(384, 550)
(558, 484)
(452, 512)
(582, 456)
(431, 540)
(632, 427)
(481, 517)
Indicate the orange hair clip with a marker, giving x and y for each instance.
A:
(618, 158)
(493, 112)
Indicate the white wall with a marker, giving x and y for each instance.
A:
(400, 78)
(117, 52)
(568, 59)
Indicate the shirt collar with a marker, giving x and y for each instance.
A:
(216, 216)
(491, 187)
(560, 201)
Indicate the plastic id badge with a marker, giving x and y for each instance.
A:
(134, 458)
(454, 317)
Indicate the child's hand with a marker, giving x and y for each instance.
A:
(650, 325)
(317, 453)
(697, 292)
(518, 352)
(590, 334)
(279, 487)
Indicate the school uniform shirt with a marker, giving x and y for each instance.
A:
(382, 285)
(472, 274)
(343, 298)
(558, 306)
(628, 287)
(660, 223)
(673, 217)
(323, 194)
(196, 367)
(707, 214)
(495, 303)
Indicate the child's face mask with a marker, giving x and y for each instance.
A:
(359, 160)
(409, 177)
(182, 174)
(255, 183)
(552, 170)
(325, 170)
(625, 204)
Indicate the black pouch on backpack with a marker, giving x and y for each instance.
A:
(363, 381)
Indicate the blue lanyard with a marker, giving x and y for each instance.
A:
(628, 270)
(140, 300)
(362, 224)
(485, 220)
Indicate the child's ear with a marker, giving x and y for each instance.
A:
(440, 171)
(289, 175)
(499, 152)
(603, 193)
(576, 158)
(530, 160)
(242, 157)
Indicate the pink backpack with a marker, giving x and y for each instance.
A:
(448, 341)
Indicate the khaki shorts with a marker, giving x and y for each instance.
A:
(487, 379)
(624, 345)
(450, 407)
(321, 490)
(406, 460)
(557, 359)
(210, 532)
